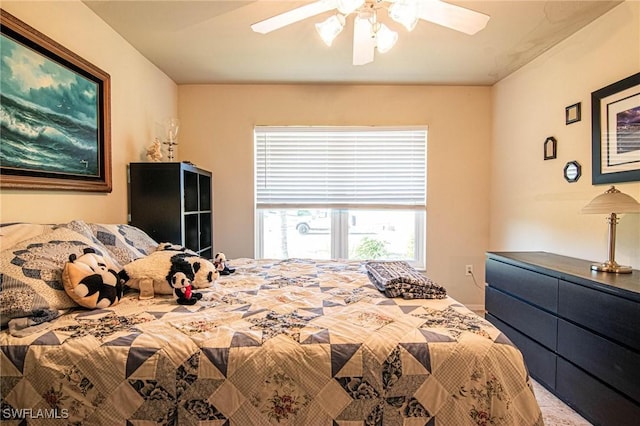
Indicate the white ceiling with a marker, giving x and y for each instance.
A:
(210, 41)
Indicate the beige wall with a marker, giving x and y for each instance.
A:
(217, 134)
(532, 206)
(485, 144)
(141, 98)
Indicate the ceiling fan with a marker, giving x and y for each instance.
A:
(369, 33)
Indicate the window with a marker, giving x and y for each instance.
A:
(341, 192)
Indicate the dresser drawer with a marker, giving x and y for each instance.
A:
(604, 313)
(540, 361)
(596, 401)
(529, 320)
(611, 363)
(535, 288)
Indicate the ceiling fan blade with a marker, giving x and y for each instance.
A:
(363, 43)
(294, 15)
(452, 16)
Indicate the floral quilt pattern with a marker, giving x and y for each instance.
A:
(293, 342)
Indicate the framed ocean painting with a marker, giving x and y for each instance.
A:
(54, 113)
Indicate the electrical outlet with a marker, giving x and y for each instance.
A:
(468, 270)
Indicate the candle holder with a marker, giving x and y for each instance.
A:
(172, 127)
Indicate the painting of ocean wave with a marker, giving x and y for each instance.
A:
(49, 114)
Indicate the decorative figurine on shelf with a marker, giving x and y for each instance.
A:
(154, 151)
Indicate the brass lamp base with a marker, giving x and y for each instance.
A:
(612, 267)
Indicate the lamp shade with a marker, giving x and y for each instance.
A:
(385, 38)
(330, 28)
(612, 201)
(348, 6)
(405, 12)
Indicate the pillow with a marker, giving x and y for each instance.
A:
(125, 243)
(91, 281)
(31, 273)
(84, 229)
(13, 233)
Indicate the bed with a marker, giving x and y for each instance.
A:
(297, 342)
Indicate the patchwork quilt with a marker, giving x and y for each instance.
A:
(293, 342)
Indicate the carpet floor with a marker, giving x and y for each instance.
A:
(554, 411)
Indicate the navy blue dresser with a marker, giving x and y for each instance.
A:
(579, 331)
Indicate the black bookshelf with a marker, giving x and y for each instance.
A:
(172, 202)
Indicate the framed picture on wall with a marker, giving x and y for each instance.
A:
(573, 113)
(615, 113)
(550, 148)
(55, 114)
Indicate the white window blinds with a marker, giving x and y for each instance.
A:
(340, 167)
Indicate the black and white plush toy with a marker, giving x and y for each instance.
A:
(220, 260)
(182, 289)
(152, 274)
(205, 271)
(90, 281)
(174, 247)
(180, 277)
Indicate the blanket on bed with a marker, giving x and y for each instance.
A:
(399, 279)
(292, 342)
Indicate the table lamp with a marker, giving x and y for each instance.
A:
(612, 202)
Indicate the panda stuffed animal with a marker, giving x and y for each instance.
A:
(174, 247)
(150, 275)
(220, 260)
(183, 290)
(205, 271)
(90, 281)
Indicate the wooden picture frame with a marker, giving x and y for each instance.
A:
(615, 134)
(573, 113)
(57, 135)
(550, 148)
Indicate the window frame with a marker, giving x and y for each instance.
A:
(339, 233)
(339, 230)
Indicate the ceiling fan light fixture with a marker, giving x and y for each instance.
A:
(348, 6)
(405, 12)
(330, 28)
(385, 38)
(370, 35)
